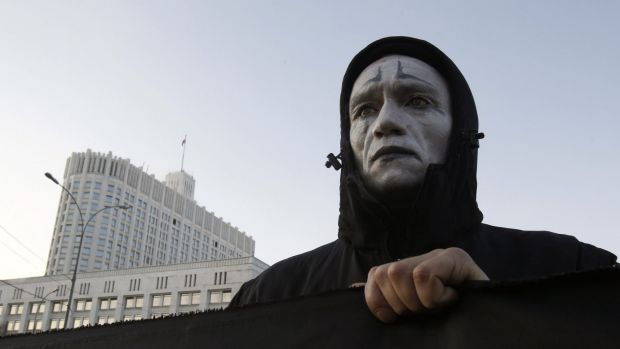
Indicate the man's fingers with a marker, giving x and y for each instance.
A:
(454, 265)
(432, 276)
(382, 280)
(431, 290)
(399, 275)
(376, 301)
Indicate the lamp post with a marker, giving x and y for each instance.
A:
(34, 326)
(77, 261)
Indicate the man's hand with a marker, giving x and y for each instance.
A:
(418, 283)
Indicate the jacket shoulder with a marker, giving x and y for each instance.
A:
(287, 278)
(513, 253)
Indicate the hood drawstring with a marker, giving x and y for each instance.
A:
(473, 138)
(332, 161)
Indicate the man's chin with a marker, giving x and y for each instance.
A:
(395, 188)
(394, 178)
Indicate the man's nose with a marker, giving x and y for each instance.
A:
(389, 121)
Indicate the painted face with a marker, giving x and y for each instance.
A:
(401, 120)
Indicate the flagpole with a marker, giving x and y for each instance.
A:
(183, 156)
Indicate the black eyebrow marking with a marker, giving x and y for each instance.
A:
(376, 78)
(363, 95)
(402, 75)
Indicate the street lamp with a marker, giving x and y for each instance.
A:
(77, 261)
(34, 326)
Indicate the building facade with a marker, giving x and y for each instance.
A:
(40, 303)
(164, 225)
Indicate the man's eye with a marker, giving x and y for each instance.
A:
(419, 102)
(366, 110)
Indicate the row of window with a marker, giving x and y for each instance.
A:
(105, 246)
(219, 278)
(162, 300)
(55, 324)
(130, 302)
(130, 198)
(98, 186)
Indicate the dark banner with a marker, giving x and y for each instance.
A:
(570, 311)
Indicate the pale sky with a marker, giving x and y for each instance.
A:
(255, 87)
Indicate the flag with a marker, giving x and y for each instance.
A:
(183, 143)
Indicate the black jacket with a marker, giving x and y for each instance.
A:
(444, 213)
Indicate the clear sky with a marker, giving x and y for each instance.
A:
(255, 87)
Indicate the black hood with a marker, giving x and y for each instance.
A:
(445, 208)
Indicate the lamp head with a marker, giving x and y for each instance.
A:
(49, 175)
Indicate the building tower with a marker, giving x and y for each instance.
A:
(164, 226)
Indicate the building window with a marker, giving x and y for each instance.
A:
(132, 317)
(162, 281)
(220, 278)
(59, 306)
(37, 308)
(190, 298)
(84, 286)
(17, 293)
(107, 303)
(56, 324)
(220, 296)
(81, 321)
(134, 284)
(32, 326)
(108, 286)
(133, 302)
(161, 300)
(13, 326)
(16, 309)
(190, 279)
(159, 315)
(83, 305)
(105, 319)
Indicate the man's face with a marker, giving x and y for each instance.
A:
(400, 123)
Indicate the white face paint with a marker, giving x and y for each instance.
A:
(401, 120)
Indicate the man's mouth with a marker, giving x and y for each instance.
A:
(393, 151)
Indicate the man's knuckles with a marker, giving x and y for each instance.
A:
(421, 275)
(464, 266)
(458, 254)
(431, 290)
(398, 272)
(432, 254)
(380, 274)
(393, 280)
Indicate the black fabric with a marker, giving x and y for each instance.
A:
(444, 213)
(553, 313)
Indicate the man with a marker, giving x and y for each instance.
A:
(409, 225)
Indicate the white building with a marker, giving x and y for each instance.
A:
(39, 303)
(164, 226)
